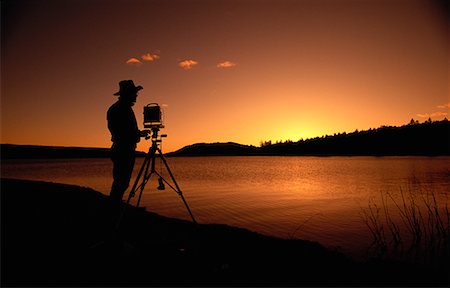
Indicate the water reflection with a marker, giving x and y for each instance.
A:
(313, 198)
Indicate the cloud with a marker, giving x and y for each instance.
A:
(435, 114)
(134, 62)
(226, 64)
(150, 56)
(187, 64)
(444, 106)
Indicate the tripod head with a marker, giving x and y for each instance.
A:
(153, 133)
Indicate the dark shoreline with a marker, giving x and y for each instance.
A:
(57, 235)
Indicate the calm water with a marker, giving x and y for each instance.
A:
(312, 198)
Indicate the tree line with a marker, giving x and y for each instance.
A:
(414, 138)
(428, 139)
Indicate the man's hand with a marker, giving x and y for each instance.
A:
(145, 133)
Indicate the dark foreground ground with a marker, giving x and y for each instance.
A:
(58, 235)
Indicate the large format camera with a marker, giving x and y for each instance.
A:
(153, 116)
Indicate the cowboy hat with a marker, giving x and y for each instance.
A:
(127, 86)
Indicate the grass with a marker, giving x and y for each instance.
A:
(412, 226)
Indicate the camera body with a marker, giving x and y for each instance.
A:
(153, 116)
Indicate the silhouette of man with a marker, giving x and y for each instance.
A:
(124, 135)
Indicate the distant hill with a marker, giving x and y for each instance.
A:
(427, 139)
(216, 149)
(11, 151)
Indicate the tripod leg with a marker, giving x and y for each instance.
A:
(147, 175)
(135, 185)
(178, 190)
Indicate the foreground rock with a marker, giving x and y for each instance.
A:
(61, 235)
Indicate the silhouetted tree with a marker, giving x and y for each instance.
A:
(265, 143)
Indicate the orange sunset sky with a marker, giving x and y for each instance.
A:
(233, 70)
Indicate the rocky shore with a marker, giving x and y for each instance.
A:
(65, 235)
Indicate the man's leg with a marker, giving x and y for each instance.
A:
(122, 171)
(123, 164)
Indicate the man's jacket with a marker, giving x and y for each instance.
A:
(123, 126)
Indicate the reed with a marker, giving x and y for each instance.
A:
(372, 220)
(412, 226)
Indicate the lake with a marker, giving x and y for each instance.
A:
(313, 198)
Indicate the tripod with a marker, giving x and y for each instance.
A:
(148, 169)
